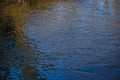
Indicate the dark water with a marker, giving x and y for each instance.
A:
(60, 40)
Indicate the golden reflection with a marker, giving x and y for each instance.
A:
(18, 16)
(18, 11)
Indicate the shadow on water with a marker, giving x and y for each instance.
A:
(6, 29)
(59, 40)
(15, 64)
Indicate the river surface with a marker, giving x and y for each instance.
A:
(60, 40)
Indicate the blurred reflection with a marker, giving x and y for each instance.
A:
(7, 30)
(105, 5)
(116, 7)
(59, 39)
(8, 53)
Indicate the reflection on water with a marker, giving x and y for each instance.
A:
(59, 40)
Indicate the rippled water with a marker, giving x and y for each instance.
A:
(60, 40)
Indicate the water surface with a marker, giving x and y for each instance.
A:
(60, 40)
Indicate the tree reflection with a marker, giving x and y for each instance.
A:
(6, 26)
(13, 42)
(7, 44)
(18, 54)
(14, 61)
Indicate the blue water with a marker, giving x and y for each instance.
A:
(60, 40)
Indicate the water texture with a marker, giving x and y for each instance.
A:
(59, 40)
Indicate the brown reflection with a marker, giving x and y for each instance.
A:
(18, 9)
(7, 31)
(6, 25)
(15, 13)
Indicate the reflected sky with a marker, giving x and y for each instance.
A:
(60, 40)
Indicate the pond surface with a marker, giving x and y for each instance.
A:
(60, 40)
